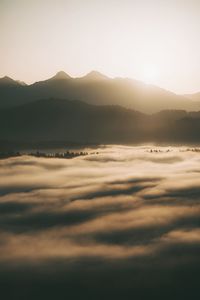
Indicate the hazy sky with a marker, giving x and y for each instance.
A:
(157, 41)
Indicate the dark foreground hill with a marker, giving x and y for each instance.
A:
(55, 120)
(62, 120)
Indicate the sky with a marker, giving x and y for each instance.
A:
(155, 41)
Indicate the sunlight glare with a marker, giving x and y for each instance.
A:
(150, 74)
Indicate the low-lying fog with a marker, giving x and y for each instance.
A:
(121, 224)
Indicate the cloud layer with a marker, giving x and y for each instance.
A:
(120, 224)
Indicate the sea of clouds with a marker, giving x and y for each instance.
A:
(121, 224)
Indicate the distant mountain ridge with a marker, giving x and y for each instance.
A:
(97, 89)
(193, 97)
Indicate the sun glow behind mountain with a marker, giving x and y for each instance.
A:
(150, 74)
(153, 41)
(99, 170)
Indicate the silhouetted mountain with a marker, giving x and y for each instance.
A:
(94, 75)
(60, 75)
(195, 97)
(170, 115)
(95, 88)
(22, 82)
(8, 82)
(64, 120)
(75, 121)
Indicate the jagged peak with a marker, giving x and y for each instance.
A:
(6, 80)
(95, 75)
(61, 75)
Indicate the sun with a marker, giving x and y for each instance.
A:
(150, 74)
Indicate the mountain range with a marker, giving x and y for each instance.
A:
(95, 109)
(96, 89)
(60, 120)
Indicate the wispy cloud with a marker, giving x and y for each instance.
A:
(124, 210)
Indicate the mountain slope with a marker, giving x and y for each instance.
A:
(95, 88)
(195, 97)
(7, 82)
(75, 121)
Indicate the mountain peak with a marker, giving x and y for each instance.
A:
(8, 81)
(61, 75)
(95, 75)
